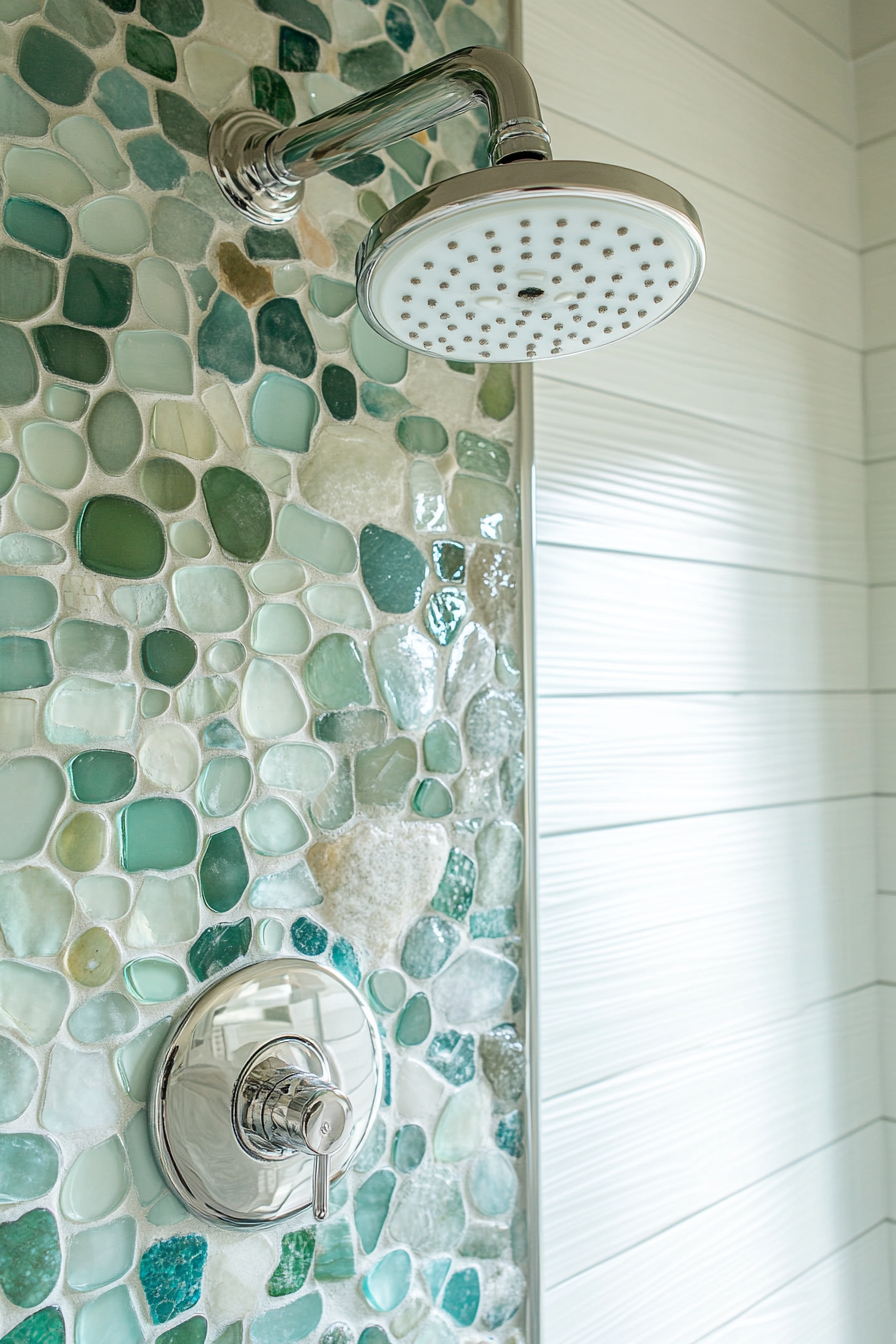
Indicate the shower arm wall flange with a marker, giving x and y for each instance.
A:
(261, 168)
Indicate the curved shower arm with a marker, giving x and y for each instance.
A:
(261, 170)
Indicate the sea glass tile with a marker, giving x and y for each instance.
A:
(334, 673)
(421, 434)
(509, 1134)
(16, 719)
(101, 1018)
(441, 748)
(334, 805)
(82, 842)
(142, 604)
(201, 696)
(393, 569)
(483, 456)
(383, 403)
(167, 1212)
(284, 339)
(296, 1254)
(103, 896)
(20, 114)
(157, 833)
(408, 1148)
(123, 99)
(212, 72)
(445, 613)
(284, 411)
(220, 403)
(154, 361)
(22, 548)
(461, 1127)
(377, 357)
(224, 786)
(32, 789)
(274, 828)
(308, 938)
(210, 598)
(269, 935)
(115, 225)
(162, 294)
(27, 283)
(171, 1275)
(270, 94)
(415, 1022)
(33, 1000)
(386, 990)
(134, 1061)
(476, 985)
(276, 577)
(189, 538)
(493, 1184)
(167, 484)
(180, 231)
(155, 979)
(297, 51)
(65, 403)
(406, 663)
(225, 341)
(223, 872)
(339, 390)
(203, 284)
(239, 512)
(166, 911)
(81, 356)
(461, 1297)
(469, 666)
(29, 1167)
(386, 1285)
(428, 945)
(370, 66)
(453, 1056)
(93, 147)
(84, 20)
(222, 736)
(97, 292)
(225, 655)
(372, 1200)
(429, 1212)
(30, 1258)
(96, 1183)
(181, 123)
(53, 67)
(44, 173)
(293, 1322)
(292, 889)
(92, 959)
(219, 947)
(383, 773)
(18, 370)
(37, 225)
(319, 541)
(147, 1178)
(37, 509)
(109, 1316)
(169, 757)
(100, 1255)
(114, 432)
(504, 1062)
(183, 428)
(150, 52)
(120, 536)
(89, 646)
(297, 767)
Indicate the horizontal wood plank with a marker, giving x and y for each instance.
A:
(828, 18)
(879, 296)
(885, 742)
(877, 191)
(655, 939)
(621, 475)
(880, 404)
(873, 24)
(875, 77)
(883, 638)
(611, 623)
(881, 512)
(885, 832)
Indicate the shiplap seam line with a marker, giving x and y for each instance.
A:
(713, 564)
(719, 812)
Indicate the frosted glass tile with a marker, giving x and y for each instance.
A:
(284, 412)
(100, 1255)
(155, 979)
(103, 896)
(189, 538)
(210, 598)
(184, 428)
(280, 629)
(109, 1317)
(46, 174)
(29, 1167)
(269, 936)
(169, 757)
(339, 603)
(154, 703)
(102, 1018)
(154, 361)
(147, 1178)
(135, 1060)
(213, 72)
(16, 724)
(224, 786)
(276, 577)
(82, 710)
(32, 789)
(142, 604)
(292, 889)
(296, 766)
(115, 225)
(36, 908)
(93, 147)
(225, 655)
(270, 705)
(320, 541)
(221, 406)
(162, 294)
(274, 828)
(36, 509)
(80, 1095)
(166, 911)
(18, 1080)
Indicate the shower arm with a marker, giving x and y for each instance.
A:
(262, 168)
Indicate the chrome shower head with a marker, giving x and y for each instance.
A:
(527, 259)
(530, 260)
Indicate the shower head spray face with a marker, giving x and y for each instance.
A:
(529, 260)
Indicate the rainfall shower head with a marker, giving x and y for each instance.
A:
(528, 259)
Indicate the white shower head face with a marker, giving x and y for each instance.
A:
(509, 275)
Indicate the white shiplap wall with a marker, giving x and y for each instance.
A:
(874, 42)
(713, 1147)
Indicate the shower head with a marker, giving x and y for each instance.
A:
(530, 260)
(527, 259)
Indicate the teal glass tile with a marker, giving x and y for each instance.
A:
(150, 52)
(97, 293)
(427, 946)
(9, 470)
(453, 1056)
(24, 663)
(369, 67)
(65, 403)
(339, 391)
(461, 1297)
(392, 568)
(401, 187)
(297, 51)
(484, 456)
(37, 225)
(123, 99)
(264, 244)
(238, 511)
(29, 1167)
(386, 1285)
(82, 356)
(44, 1327)
(154, 361)
(203, 285)
(415, 1022)
(422, 434)
(101, 776)
(383, 403)
(293, 1322)
(218, 947)
(399, 27)
(509, 1134)
(441, 748)
(378, 358)
(308, 937)
(171, 1275)
(445, 613)
(20, 114)
(372, 1200)
(302, 14)
(284, 412)
(54, 67)
(18, 369)
(182, 123)
(412, 157)
(225, 343)
(270, 94)
(408, 1148)
(331, 297)
(156, 162)
(496, 923)
(157, 833)
(345, 960)
(334, 673)
(223, 872)
(284, 339)
(30, 1258)
(177, 17)
(351, 727)
(432, 799)
(27, 284)
(359, 170)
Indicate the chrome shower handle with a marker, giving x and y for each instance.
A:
(280, 1111)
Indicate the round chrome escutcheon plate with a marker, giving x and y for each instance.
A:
(192, 1095)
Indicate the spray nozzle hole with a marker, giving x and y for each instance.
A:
(530, 293)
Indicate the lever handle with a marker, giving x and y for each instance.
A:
(320, 1186)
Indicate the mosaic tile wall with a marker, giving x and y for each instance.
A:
(259, 680)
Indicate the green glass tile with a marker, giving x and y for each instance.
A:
(222, 736)
(177, 17)
(496, 396)
(445, 613)
(24, 663)
(372, 206)
(53, 67)
(154, 979)
(168, 656)
(9, 470)
(483, 508)
(441, 748)
(224, 786)
(192, 1331)
(461, 366)
(181, 232)
(509, 1134)
(345, 960)
(203, 285)
(225, 340)
(101, 776)
(284, 339)
(37, 225)
(432, 799)
(496, 923)
(297, 51)
(123, 99)
(239, 512)
(264, 244)
(84, 20)
(27, 283)
(368, 67)
(44, 1327)
(23, 548)
(123, 6)
(386, 991)
(461, 1297)
(339, 391)
(18, 370)
(380, 359)
(421, 434)
(30, 1258)
(302, 14)
(401, 187)
(65, 403)
(121, 537)
(26, 602)
(54, 455)
(114, 432)
(224, 873)
(392, 568)
(218, 947)
(428, 945)
(399, 27)
(97, 293)
(351, 727)
(384, 403)
(182, 123)
(408, 1148)
(453, 1056)
(156, 163)
(386, 1285)
(485, 457)
(167, 484)
(171, 1275)
(412, 157)
(232, 1335)
(372, 1200)
(448, 559)
(154, 361)
(274, 828)
(284, 412)
(151, 52)
(383, 773)
(296, 1254)
(82, 356)
(91, 646)
(364, 168)
(415, 1022)
(373, 1334)
(20, 114)
(332, 297)
(43, 172)
(29, 1167)
(308, 938)
(270, 94)
(334, 673)
(114, 224)
(157, 833)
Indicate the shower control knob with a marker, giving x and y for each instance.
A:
(265, 1091)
